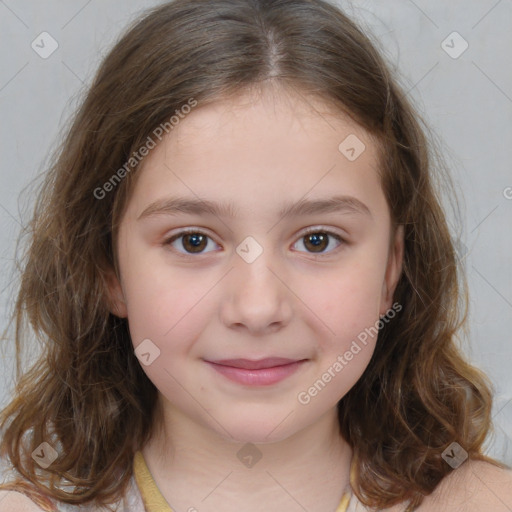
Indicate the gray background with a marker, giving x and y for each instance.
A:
(466, 100)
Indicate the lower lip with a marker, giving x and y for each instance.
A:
(261, 377)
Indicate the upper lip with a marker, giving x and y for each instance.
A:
(251, 364)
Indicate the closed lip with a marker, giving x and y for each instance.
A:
(251, 364)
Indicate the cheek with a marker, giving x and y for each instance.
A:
(344, 325)
(166, 312)
(344, 302)
(164, 304)
(170, 311)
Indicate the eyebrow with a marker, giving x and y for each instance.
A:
(183, 205)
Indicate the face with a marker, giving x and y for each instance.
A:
(246, 321)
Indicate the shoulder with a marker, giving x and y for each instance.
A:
(474, 486)
(13, 501)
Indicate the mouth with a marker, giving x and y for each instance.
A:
(249, 364)
(262, 372)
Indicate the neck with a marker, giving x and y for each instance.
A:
(194, 466)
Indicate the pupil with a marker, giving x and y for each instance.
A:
(317, 239)
(194, 241)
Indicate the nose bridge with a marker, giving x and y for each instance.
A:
(257, 276)
(257, 297)
(254, 279)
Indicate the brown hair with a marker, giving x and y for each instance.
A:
(87, 394)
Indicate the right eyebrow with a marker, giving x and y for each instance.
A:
(176, 205)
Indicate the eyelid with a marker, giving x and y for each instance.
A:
(330, 232)
(187, 231)
(322, 229)
(306, 231)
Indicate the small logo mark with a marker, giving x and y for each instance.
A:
(249, 249)
(507, 192)
(352, 147)
(44, 455)
(454, 45)
(147, 352)
(44, 45)
(455, 455)
(249, 455)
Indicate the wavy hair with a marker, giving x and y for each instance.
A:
(87, 394)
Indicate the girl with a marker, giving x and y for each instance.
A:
(245, 285)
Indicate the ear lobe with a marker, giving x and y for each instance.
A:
(115, 295)
(393, 270)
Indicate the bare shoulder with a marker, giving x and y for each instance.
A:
(474, 486)
(12, 501)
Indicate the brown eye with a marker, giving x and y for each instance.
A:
(318, 241)
(189, 242)
(194, 242)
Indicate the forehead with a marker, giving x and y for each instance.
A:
(262, 146)
(263, 111)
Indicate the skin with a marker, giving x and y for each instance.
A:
(259, 151)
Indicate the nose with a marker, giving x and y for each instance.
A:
(257, 298)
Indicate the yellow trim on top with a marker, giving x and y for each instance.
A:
(151, 495)
(155, 502)
(345, 500)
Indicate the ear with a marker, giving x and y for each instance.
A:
(393, 270)
(115, 295)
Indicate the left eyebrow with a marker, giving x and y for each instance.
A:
(335, 204)
(176, 205)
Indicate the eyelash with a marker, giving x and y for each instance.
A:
(314, 230)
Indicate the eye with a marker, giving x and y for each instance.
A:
(193, 241)
(316, 240)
